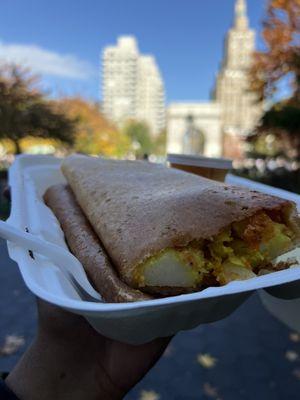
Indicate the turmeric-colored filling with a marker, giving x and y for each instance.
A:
(239, 252)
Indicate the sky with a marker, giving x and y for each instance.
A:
(62, 40)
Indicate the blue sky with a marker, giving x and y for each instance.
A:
(62, 39)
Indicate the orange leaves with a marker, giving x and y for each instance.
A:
(277, 67)
(289, 5)
(281, 33)
(94, 133)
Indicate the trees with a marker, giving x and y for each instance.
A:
(139, 135)
(277, 66)
(280, 58)
(94, 134)
(27, 115)
(160, 143)
(24, 111)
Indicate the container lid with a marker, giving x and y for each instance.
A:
(200, 161)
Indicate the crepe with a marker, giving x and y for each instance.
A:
(85, 245)
(170, 232)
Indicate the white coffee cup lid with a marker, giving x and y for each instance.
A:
(200, 161)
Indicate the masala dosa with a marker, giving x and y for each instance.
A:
(169, 232)
(85, 245)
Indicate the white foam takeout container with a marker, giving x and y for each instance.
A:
(134, 323)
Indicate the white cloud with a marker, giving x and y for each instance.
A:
(45, 62)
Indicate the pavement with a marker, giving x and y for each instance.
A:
(249, 355)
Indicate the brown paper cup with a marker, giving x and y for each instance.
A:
(212, 168)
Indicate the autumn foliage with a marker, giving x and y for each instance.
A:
(30, 121)
(94, 134)
(25, 111)
(281, 56)
(277, 66)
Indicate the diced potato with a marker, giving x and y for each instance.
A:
(277, 244)
(232, 271)
(174, 269)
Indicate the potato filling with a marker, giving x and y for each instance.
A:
(237, 253)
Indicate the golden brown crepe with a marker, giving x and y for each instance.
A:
(85, 245)
(170, 232)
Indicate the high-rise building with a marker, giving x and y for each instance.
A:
(240, 111)
(119, 79)
(150, 99)
(233, 111)
(132, 85)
